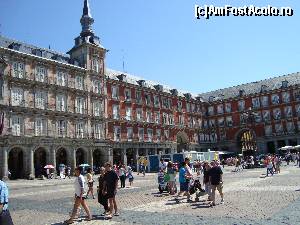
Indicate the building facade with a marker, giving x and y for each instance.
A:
(70, 109)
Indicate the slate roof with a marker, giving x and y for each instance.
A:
(34, 50)
(253, 87)
(225, 93)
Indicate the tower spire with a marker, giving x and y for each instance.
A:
(86, 21)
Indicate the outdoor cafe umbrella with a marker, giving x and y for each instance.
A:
(286, 148)
(84, 165)
(49, 167)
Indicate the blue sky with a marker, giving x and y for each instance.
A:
(162, 41)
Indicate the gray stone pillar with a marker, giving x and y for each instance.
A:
(30, 161)
(4, 168)
(53, 158)
(276, 145)
(110, 155)
(146, 151)
(90, 158)
(73, 159)
(137, 159)
(124, 156)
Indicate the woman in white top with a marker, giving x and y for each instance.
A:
(79, 198)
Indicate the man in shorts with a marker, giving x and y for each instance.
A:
(184, 182)
(216, 182)
(110, 185)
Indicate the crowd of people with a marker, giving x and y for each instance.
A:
(212, 179)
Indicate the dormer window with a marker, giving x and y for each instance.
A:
(241, 93)
(188, 96)
(211, 98)
(121, 77)
(158, 87)
(284, 84)
(14, 46)
(174, 92)
(263, 88)
(95, 65)
(141, 83)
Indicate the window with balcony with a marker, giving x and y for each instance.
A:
(278, 128)
(97, 87)
(61, 78)
(297, 109)
(61, 128)
(150, 134)
(128, 113)
(115, 92)
(286, 97)
(156, 101)
(17, 125)
(80, 129)
(257, 117)
(97, 107)
(210, 110)
(157, 117)
(41, 74)
(171, 119)
(193, 108)
(40, 127)
(98, 131)
(149, 117)
(268, 130)
(179, 106)
(18, 70)
(205, 124)
(141, 134)
(266, 115)
(297, 95)
(116, 112)
(165, 119)
(277, 114)
(288, 111)
(95, 65)
(265, 101)
(41, 98)
(17, 96)
(80, 105)
(275, 99)
(127, 95)
(148, 99)
(158, 135)
(220, 109)
(79, 82)
(228, 107)
(212, 123)
(221, 122)
(241, 105)
(181, 120)
(138, 97)
(129, 133)
(229, 121)
(61, 103)
(117, 133)
(165, 103)
(255, 103)
(166, 134)
(290, 127)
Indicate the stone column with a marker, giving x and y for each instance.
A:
(4, 168)
(276, 145)
(124, 156)
(90, 157)
(53, 157)
(146, 152)
(30, 172)
(73, 159)
(110, 154)
(137, 159)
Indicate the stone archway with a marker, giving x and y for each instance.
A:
(80, 157)
(98, 158)
(182, 141)
(16, 163)
(246, 140)
(40, 160)
(117, 157)
(61, 157)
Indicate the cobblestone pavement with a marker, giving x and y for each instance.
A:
(250, 198)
